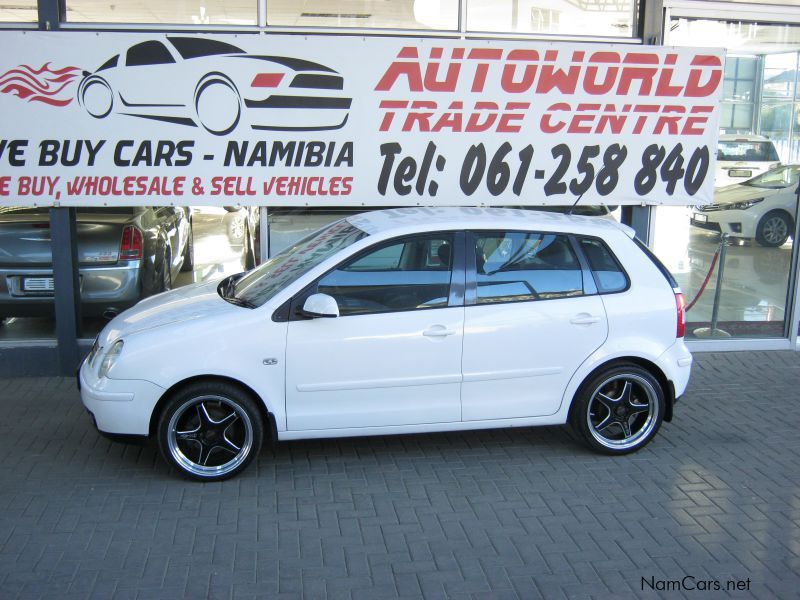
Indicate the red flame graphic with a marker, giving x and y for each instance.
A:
(42, 85)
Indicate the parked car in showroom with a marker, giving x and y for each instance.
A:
(402, 321)
(124, 255)
(741, 157)
(762, 208)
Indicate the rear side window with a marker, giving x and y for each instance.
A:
(608, 274)
(517, 266)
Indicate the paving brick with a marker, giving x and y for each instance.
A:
(517, 513)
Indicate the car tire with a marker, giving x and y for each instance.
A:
(217, 103)
(210, 431)
(235, 227)
(249, 253)
(188, 252)
(774, 229)
(165, 274)
(618, 410)
(96, 96)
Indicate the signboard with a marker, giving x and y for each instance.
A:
(151, 119)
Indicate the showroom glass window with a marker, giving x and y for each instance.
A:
(19, 11)
(184, 12)
(589, 17)
(761, 68)
(516, 266)
(738, 94)
(414, 14)
(408, 274)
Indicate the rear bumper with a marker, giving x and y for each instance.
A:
(676, 362)
(101, 288)
(118, 406)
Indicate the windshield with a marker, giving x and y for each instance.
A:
(776, 178)
(262, 283)
(743, 150)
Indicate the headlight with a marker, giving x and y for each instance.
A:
(110, 358)
(744, 205)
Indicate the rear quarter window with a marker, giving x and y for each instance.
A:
(609, 276)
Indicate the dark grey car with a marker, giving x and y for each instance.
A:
(124, 254)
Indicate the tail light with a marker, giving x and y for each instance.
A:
(266, 80)
(680, 304)
(131, 246)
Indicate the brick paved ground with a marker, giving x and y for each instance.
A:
(498, 514)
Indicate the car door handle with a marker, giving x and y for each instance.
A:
(438, 331)
(584, 319)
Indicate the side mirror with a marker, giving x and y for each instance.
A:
(320, 305)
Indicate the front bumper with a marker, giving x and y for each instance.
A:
(736, 223)
(119, 406)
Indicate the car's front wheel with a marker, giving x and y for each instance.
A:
(218, 104)
(619, 410)
(210, 431)
(773, 229)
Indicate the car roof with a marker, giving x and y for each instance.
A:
(734, 137)
(412, 220)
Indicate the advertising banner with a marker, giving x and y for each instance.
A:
(280, 120)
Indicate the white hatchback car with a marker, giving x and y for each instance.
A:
(402, 321)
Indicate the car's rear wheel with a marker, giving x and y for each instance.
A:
(188, 252)
(165, 275)
(619, 410)
(218, 104)
(249, 252)
(773, 229)
(210, 431)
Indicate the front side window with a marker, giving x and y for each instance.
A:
(407, 274)
(516, 266)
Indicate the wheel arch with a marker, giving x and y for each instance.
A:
(266, 414)
(648, 365)
(782, 211)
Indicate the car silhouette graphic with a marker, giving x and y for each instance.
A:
(203, 82)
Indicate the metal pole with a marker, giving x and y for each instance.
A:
(66, 286)
(718, 292)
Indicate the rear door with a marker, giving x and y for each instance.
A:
(532, 316)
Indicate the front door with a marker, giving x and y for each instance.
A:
(393, 356)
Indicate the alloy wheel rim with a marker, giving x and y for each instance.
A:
(623, 411)
(209, 436)
(775, 230)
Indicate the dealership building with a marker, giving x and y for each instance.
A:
(198, 138)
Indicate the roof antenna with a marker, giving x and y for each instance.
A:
(575, 204)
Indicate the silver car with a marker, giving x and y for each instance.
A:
(124, 254)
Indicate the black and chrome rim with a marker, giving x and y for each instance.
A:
(209, 436)
(623, 411)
